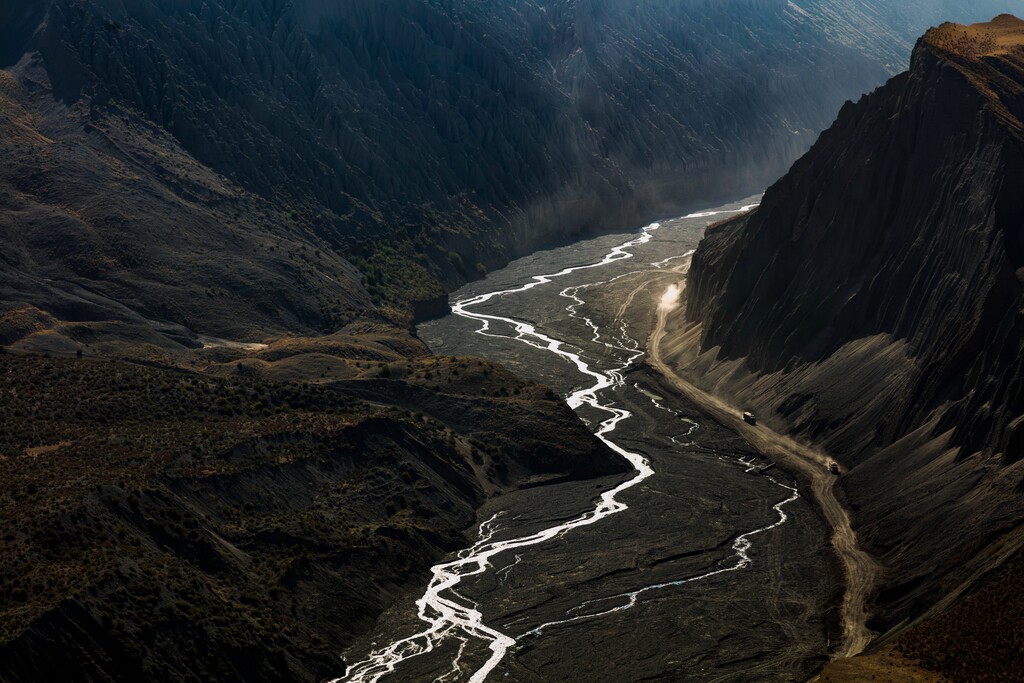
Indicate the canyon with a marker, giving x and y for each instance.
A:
(234, 443)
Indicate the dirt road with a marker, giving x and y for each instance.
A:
(861, 570)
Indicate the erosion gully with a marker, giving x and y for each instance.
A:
(704, 564)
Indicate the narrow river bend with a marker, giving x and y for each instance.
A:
(698, 567)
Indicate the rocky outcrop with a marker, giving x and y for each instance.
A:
(872, 305)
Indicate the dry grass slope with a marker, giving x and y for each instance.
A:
(159, 521)
(981, 640)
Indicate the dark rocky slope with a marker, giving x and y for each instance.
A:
(106, 219)
(461, 132)
(390, 117)
(873, 304)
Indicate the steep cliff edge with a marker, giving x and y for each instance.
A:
(873, 305)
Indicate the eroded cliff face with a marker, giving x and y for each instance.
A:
(873, 304)
(464, 132)
(900, 222)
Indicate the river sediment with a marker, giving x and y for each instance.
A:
(703, 565)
